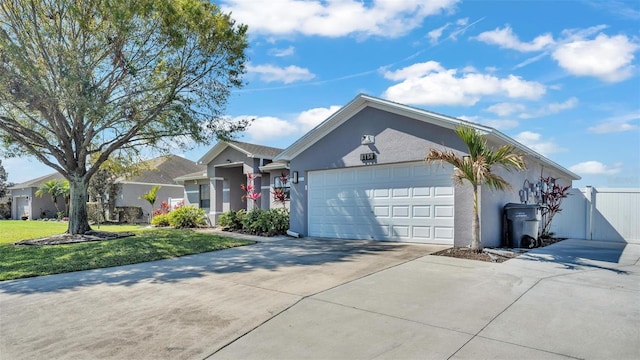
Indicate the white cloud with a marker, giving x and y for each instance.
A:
(267, 127)
(505, 38)
(534, 141)
(616, 124)
(264, 128)
(309, 119)
(430, 84)
(505, 109)
(386, 18)
(607, 58)
(282, 52)
(287, 75)
(595, 168)
(457, 28)
(435, 34)
(552, 108)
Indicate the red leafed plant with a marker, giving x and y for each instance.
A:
(164, 209)
(552, 196)
(279, 194)
(249, 190)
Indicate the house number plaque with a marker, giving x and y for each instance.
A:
(368, 157)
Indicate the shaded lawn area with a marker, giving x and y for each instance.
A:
(16, 230)
(19, 261)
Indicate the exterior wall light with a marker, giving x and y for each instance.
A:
(368, 139)
(295, 177)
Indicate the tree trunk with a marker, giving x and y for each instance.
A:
(78, 218)
(476, 246)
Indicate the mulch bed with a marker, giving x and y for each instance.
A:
(492, 255)
(91, 235)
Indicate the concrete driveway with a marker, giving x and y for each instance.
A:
(321, 299)
(185, 308)
(575, 299)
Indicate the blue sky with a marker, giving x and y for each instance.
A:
(561, 77)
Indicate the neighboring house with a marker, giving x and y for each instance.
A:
(361, 175)
(24, 201)
(158, 171)
(230, 164)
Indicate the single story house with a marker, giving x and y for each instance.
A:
(228, 166)
(158, 171)
(361, 174)
(24, 201)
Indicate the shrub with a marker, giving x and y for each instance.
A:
(231, 219)
(160, 220)
(187, 217)
(5, 210)
(266, 222)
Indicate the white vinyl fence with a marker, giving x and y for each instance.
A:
(609, 214)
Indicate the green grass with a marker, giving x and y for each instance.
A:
(19, 261)
(16, 230)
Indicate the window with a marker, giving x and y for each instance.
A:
(281, 184)
(205, 196)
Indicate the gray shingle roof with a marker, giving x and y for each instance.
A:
(38, 181)
(257, 149)
(164, 169)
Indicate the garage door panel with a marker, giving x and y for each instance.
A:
(381, 211)
(422, 232)
(443, 211)
(401, 232)
(400, 192)
(421, 192)
(400, 211)
(403, 202)
(402, 172)
(441, 191)
(443, 233)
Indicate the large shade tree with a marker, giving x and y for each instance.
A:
(83, 79)
(477, 169)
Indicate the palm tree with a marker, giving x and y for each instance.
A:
(55, 188)
(476, 169)
(151, 198)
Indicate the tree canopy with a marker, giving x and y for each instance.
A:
(90, 79)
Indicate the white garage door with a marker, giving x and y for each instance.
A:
(400, 202)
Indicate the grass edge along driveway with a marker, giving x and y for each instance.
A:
(20, 261)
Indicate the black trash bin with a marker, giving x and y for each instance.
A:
(521, 220)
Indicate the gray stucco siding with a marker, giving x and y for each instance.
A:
(130, 195)
(397, 139)
(492, 202)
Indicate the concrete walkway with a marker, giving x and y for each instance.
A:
(319, 299)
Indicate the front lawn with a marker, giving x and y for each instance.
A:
(16, 230)
(19, 261)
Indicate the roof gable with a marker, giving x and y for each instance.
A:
(34, 183)
(362, 101)
(251, 150)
